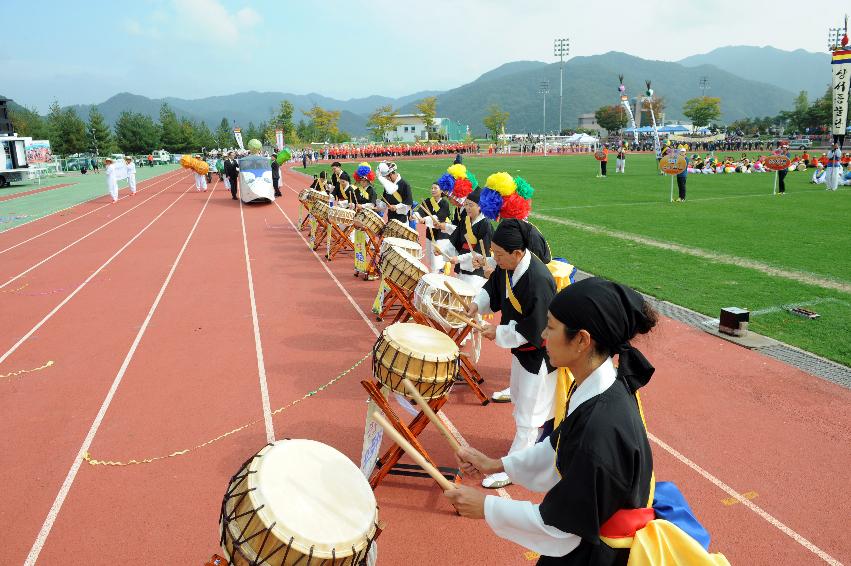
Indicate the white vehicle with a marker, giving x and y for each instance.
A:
(13, 160)
(255, 179)
(161, 157)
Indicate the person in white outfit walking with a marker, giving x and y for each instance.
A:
(111, 179)
(131, 174)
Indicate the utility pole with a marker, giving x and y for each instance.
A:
(544, 89)
(704, 85)
(561, 49)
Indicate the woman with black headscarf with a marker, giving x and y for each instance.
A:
(521, 288)
(598, 461)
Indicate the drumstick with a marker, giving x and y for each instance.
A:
(458, 297)
(467, 320)
(414, 392)
(444, 483)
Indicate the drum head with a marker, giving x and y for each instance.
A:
(315, 495)
(412, 248)
(438, 281)
(423, 342)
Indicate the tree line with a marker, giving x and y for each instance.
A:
(136, 133)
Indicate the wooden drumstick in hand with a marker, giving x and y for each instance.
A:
(458, 297)
(414, 392)
(467, 320)
(415, 455)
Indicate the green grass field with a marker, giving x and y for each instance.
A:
(805, 232)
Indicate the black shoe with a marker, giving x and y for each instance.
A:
(278, 194)
(233, 198)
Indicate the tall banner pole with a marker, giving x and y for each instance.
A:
(672, 188)
(774, 190)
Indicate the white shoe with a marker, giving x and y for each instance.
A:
(495, 481)
(503, 396)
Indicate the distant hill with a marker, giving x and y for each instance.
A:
(790, 70)
(591, 82)
(245, 107)
(750, 81)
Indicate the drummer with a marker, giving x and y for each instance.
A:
(539, 247)
(342, 188)
(469, 240)
(320, 183)
(521, 288)
(598, 461)
(434, 213)
(363, 196)
(397, 192)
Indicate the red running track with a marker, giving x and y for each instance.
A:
(158, 353)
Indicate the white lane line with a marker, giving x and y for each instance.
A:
(746, 502)
(7, 230)
(258, 344)
(49, 315)
(141, 188)
(81, 238)
(32, 557)
(443, 416)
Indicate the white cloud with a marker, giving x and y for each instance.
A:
(209, 21)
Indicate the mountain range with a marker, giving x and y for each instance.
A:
(751, 81)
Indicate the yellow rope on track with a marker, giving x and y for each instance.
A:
(88, 458)
(9, 376)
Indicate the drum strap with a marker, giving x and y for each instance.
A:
(510, 294)
(471, 239)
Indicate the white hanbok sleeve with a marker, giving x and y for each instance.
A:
(508, 337)
(521, 522)
(533, 467)
(483, 300)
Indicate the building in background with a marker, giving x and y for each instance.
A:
(411, 127)
(589, 122)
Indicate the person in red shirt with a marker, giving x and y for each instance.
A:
(605, 160)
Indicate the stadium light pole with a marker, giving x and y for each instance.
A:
(561, 49)
(544, 89)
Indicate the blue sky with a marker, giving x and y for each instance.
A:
(86, 52)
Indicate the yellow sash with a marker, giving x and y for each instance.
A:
(471, 239)
(510, 294)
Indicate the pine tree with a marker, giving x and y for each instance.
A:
(99, 134)
(171, 135)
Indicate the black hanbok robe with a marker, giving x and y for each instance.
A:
(440, 209)
(403, 195)
(534, 292)
(482, 231)
(605, 462)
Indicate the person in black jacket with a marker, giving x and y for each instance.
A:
(434, 213)
(276, 176)
(231, 170)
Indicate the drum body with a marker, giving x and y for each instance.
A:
(368, 219)
(412, 248)
(396, 229)
(400, 267)
(313, 195)
(304, 196)
(320, 209)
(427, 357)
(298, 502)
(341, 216)
(433, 298)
